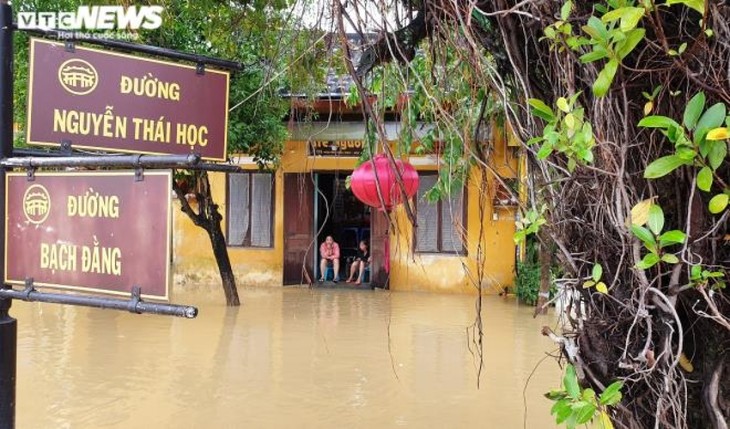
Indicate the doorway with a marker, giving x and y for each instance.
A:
(337, 212)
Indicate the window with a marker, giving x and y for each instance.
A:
(440, 223)
(250, 209)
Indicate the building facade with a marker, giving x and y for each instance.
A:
(275, 222)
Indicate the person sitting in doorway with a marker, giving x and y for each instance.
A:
(362, 260)
(330, 253)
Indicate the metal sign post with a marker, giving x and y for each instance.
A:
(8, 325)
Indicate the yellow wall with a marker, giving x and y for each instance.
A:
(193, 261)
(439, 272)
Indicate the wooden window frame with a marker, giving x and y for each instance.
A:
(247, 239)
(439, 218)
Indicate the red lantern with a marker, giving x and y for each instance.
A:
(364, 186)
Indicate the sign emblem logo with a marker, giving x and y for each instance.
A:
(78, 76)
(36, 204)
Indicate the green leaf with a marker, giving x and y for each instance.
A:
(572, 422)
(705, 146)
(613, 15)
(663, 166)
(570, 121)
(596, 29)
(633, 38)
(562, 104)
(693, 110)
(597, 272)
(629, 16)
(656, 219)
(674, 236)
(540, 109)
(704, 179)
(630, 19)
(570, 382)
(556, 394)
(717, 154)
(583, 411)
(643, 234)
(565, 10)
(686, 153)
(562, 411)
(612, 394)
(698, 5)
(712, 118)
(549, 32)
(670, 259)
(545, 151)
(589, 395)
(713, 274)
(650, 259)
(718, 203)
(598, 53)
(695, 272)
(605, 78)
(658, 122)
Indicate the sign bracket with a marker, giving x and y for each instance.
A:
(69, 46)
(30, 173)
(139, 174)
(200, 68)
(66, 148)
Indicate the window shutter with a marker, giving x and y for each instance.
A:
(452, 213)
(426, 217)
(238, 208)
(261, 210)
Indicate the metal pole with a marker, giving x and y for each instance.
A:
(129, 161)
(133, 305)
(35, 159)
(8, 325)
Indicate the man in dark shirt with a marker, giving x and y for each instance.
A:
(362, 260)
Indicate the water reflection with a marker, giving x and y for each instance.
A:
(287, 358)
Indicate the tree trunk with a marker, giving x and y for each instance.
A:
(209, 219)
(220, 251)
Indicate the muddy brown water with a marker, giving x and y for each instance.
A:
(288, 358)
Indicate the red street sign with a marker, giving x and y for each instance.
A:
(99, 231)
(121, 103)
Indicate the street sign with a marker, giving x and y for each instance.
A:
(122, 103)
(102, 231)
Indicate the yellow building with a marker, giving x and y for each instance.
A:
(274, 223)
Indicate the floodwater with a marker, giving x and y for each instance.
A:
(288, 358)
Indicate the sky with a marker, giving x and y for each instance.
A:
(367, 14)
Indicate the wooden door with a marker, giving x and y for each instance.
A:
(298, 228)
(379, 247)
